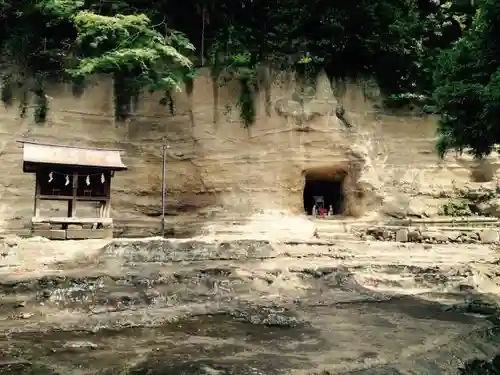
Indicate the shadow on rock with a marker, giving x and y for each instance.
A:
(478, 367)
(256, 364)
(23, 367)
(255, 342)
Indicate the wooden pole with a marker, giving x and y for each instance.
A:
(107, 205)
(36, 207)
(164, 148)
(72, 206)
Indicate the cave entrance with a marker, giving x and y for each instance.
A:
(324, 187)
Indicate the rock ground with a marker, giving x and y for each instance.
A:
(221, 305)
(243, 306)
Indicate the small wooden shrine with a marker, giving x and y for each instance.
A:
(72, 174)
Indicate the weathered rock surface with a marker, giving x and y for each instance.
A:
(215, 165)
(402, 235)
(244, 307)
(489, 208)
(484, 236)
(489, 236)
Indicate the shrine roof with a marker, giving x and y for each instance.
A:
(35, 153)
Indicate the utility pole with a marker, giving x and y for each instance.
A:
(164, 148)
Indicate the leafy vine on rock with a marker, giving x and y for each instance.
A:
(41, 104)
(246, 102)
(230, 60)
(6, 93)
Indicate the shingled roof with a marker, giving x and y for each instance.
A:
(50, 154)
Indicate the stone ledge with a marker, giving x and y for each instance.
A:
(432, 236)
(73, 234)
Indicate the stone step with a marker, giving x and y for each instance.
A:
(335, 228)
(337, 236)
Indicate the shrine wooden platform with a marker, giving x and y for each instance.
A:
(72, 228)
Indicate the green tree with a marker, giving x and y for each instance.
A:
(467, 80)
(127, 47)
(67, 40)
(394, 41)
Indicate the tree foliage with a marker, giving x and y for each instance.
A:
(467, 81)
(127, 47)
(72, 40)
(156, 45)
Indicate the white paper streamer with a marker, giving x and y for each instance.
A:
(87, 180)
(103, 179)
(67, 181)
(51, 177)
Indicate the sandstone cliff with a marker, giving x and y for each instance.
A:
(216, 164)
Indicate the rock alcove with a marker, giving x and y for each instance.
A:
(327, 185)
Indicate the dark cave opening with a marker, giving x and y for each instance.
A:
(324, 192)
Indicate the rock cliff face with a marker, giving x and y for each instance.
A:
(215, 163)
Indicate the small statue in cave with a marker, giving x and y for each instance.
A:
(330, 210)
(315, 211)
